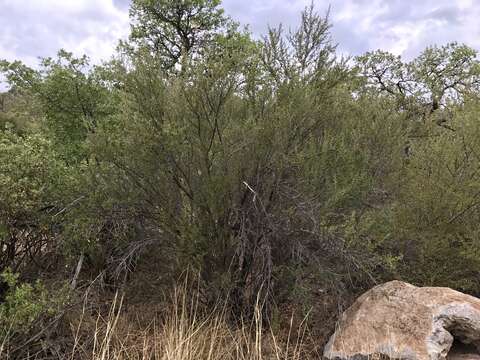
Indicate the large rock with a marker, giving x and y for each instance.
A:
(402, 321)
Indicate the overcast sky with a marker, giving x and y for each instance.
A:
(32, 28)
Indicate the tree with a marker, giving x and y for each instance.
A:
(72, 96)
(174, 30)
(437, 78)
(447, 73)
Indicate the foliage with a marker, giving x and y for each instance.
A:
(24, 306)
(173, 29)
(72, 96)
(437, 78)
(272, 168)
(437, 208)
(34, 185)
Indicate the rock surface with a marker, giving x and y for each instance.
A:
(402, 321)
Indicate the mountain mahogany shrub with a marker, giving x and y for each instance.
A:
(246, 174)
(436, 211)
(34, 185)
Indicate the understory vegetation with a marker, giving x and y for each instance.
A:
(270, 180)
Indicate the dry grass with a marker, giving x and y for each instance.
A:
(182, 333)
(187, 335)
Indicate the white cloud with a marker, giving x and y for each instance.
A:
(405, 27)
(32, 28)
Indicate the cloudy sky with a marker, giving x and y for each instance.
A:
(32, 28)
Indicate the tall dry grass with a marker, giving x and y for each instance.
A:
(183, 333)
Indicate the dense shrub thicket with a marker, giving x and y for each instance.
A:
(273, 169)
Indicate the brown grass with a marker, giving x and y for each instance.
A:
(187, 335)
(183, 333)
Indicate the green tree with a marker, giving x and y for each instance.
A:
(72, 97)
(174, 30)
(437, 78)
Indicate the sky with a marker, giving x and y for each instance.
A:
(39, 28)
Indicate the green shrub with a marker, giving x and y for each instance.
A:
(26, 306)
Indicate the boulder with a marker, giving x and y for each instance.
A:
(402, 321)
